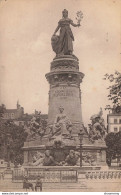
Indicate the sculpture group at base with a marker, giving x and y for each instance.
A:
(36, 128)
(62, 125)
(48, 158)
(97, 129)
(62, 158)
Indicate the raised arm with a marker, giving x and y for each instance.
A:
(75, 25)
(57, 29)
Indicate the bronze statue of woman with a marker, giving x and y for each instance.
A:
(62, 44)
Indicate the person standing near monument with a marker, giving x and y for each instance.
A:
(27, 184)
(62, 44)
(38, 184)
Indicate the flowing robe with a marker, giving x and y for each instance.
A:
(62, 44)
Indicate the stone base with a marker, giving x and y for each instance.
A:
(92, 155)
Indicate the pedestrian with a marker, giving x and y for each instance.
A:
(27, 184)
(38, 183)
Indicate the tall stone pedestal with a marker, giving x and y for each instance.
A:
(64, 79)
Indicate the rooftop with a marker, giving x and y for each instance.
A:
(10, 110)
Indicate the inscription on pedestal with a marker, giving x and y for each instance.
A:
(67, 97)
(62, 93)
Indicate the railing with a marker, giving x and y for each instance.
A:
(103, 175)
(47, 176)
(63, 175)
(18, 174)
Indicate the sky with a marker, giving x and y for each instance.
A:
(26, 28)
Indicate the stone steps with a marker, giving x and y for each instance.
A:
(46, 186)
(87, 185)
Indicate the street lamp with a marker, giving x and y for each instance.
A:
(8, 150)
(81, 139)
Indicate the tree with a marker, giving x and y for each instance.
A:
(114, 90)
(2, 109)
(12, 138)
(113, 142)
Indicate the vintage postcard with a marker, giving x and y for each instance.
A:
(60, 95)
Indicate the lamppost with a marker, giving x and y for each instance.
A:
(81, 139)
(8, 150)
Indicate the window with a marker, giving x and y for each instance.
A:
(12, 115)
(119, 128)
(6, 115)
(120, 121)
(115, 121)
(115, 129)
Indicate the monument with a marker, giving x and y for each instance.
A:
(65, 141)
(64, 79)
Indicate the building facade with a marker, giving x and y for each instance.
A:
(114, 121)
(13, 114)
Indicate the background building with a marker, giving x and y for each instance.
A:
(114, 120)
(14, 113)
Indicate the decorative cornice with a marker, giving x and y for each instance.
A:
(64, 77)
(64, 65)
(65, 57)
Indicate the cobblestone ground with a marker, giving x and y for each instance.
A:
(84, 185)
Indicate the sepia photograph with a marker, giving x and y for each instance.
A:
(60, 96)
